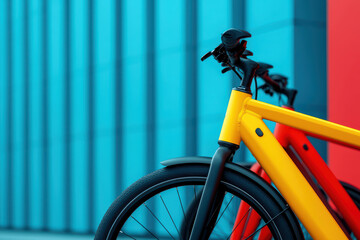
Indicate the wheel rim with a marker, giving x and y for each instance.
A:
(160, 218)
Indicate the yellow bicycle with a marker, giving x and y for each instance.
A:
(156, 205)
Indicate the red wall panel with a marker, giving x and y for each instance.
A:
(344, 82)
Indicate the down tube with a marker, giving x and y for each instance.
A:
(288, 179)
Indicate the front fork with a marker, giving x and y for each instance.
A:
(208, 209)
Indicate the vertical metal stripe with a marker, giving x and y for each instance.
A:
(239, 22)
(45, 117)
(91, 124)
(150, 97)
(9, 114)
(191, 78)
(238, 14)
(67, 116)
(150, 86)
(118, 97)
(26, 116)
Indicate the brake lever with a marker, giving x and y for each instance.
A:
(218, 53)
(207, 55)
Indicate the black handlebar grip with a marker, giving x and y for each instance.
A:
(206, 56)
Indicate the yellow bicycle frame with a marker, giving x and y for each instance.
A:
(243, 122)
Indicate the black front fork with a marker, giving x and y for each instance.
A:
(212, 196)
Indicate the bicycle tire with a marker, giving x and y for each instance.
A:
(354, 193)
(284, 226)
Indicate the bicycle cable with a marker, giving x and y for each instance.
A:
(256, 88)
(234, 70)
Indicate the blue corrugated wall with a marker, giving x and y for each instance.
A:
(95, 93)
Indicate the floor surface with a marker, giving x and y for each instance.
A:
(22, 235)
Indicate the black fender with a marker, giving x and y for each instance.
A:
(238, 168)
(203, 160)
(242, 170)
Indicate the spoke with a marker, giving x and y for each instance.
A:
(247, 220)
(224, 210)
(169, 214)
(144, 227)
(269, 221)
(158, 220)
(181, 203)
(239, 223)
(127, 235)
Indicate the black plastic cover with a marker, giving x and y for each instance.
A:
(232, 37)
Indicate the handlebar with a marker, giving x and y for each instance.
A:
(278, 83)
(232, 53)
(229, 53)
(275, 85)
(235, 49)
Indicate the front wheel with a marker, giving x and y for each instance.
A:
(155, 207)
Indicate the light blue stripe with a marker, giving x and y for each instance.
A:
(104, 106)
(263, 15)
(56, 115)
(134, 91)
(213, 87)
(79, 114)
(170, 82)
(18, 111)
(3, 107)
(35, 114)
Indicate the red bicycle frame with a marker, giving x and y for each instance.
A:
(308, 160)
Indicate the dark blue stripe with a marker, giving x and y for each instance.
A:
(239, 22)
(67, 118)
(91, 124)
(118, 97)
(238, 14)
(191, 78)
(45, 118)
(150, 97)
(150, 86)
(311, 28)
(26, 117)
(9, 115)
